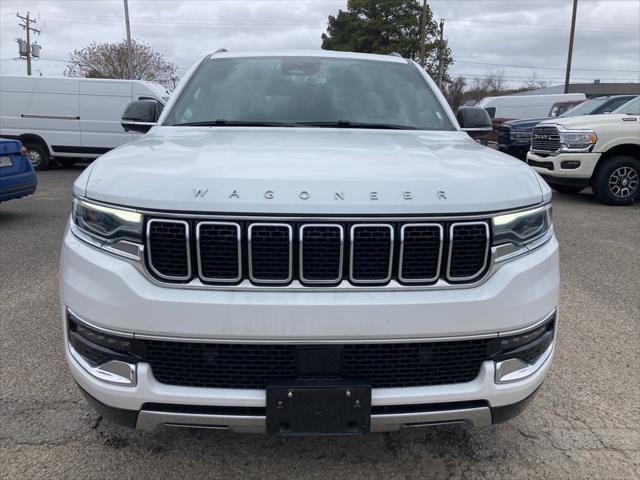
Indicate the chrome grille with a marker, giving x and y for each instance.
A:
(168, 248)
(371, 253)
(316, 253)
(421, 252)
(321, 253)
(545, 139)
(270, 252)
(468, 250)
(219, 251)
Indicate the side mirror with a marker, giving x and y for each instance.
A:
(475, 121)
(141, 115)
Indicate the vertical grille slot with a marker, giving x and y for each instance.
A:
(219, 251)
(168, 249)
(270, 252)
(321, 248)
(371, 253)
(420, 252)
(468, 250)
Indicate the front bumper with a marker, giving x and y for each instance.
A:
(114, 295)
(556, 166)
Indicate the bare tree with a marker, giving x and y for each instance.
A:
(109, 60)
(532, 83)
(454, 92)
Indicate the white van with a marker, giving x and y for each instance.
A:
(514, 107)
(69, 118)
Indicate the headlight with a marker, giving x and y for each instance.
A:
(521, 228)
(521, 135)
(577, 140)
(108, 227)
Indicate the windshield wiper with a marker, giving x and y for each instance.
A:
(232, 123)
(349, 124)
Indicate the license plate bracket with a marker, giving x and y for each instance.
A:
(5, 161)
(334, 408)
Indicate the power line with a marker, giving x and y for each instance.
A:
(544, 68)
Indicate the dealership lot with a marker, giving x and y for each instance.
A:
(584, 423)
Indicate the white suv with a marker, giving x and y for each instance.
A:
(308, 243)
(601, 151)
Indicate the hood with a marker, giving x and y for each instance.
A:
(309, 171)
(526, 123)
(585, 121)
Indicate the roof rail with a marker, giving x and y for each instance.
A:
(395, 54)
(220, 50)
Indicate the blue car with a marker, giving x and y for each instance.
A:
(17, 176)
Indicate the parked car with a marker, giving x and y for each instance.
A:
(69, 118)
(514, 137)
(512, 107)
(308, 243)
(17, 177)
(601, 151)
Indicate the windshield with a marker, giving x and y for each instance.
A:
(308, 91)
(630, 108)
(585, 108)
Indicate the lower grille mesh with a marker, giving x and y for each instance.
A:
(255, 366)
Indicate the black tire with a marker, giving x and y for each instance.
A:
(566, 188)
(37, 155)
(617, 181)
(67, 162)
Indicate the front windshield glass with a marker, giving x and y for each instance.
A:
(585, 108)
(632, 107)
(309, 91)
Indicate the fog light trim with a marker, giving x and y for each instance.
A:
(115, 372)
(515, 369)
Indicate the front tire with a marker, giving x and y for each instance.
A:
(37, 155)
(617, 182)
(566, 188)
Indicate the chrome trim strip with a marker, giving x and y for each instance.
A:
(351, 247)
(148, 244)
(316, 218)
(317, 342)
(79, 318)
(250, 255)
(486, 250)
(301, 253)
(50, 117)
(199, 257)
(151, 419)
(400, 259)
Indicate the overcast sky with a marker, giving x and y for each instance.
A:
(518, 37)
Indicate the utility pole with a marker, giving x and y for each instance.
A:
(423, 34)
(129, 50)
(27, 26)
(441, 63)
(573, 31)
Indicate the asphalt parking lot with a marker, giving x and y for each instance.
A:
(584, 423)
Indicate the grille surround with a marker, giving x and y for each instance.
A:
(401, 259)
(251, 247)
(150, 224)
(302, 257)
(352, 246)
(199, 254)
(550, 144)
(452, 227)
(394, 228)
